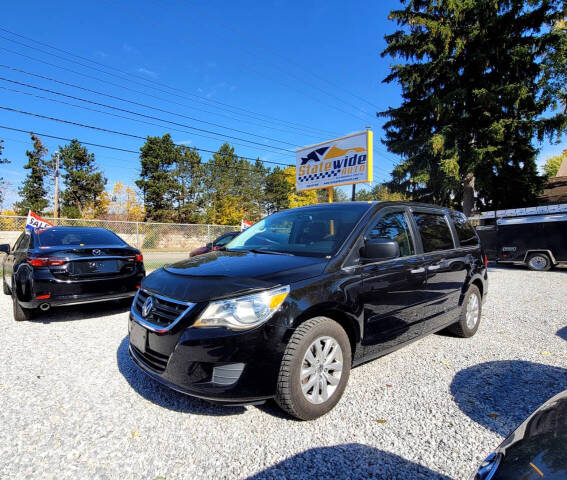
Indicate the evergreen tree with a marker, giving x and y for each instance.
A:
(188, 174)
(158, 157)
(83, 183)
(32, 192)
(2, 183)
(477, 85)
(280, 191)
(228, 196)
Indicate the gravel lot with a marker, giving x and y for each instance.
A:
(74, 405)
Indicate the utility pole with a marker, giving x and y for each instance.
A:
(56, 192)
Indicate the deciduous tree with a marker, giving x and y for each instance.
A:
(552, 164)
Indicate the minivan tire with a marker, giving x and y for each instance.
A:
(5, 288)
(463, 328)
(290, 396)
(539, 262)
(21, 314)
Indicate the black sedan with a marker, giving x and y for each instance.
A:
(536, 449)
(67, 266)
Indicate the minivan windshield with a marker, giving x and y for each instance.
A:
(77, 236)
(310, 231)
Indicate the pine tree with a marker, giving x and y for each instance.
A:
(33, 195)
(83, 183)
(476, 78)
(158, 157)
(188, 173)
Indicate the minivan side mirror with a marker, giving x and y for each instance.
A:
(380, 249)
(5, 247)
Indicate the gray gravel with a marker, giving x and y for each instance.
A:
(74, 406)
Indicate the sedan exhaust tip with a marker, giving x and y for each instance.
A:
(44, 307)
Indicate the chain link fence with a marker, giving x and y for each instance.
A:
(160, 243)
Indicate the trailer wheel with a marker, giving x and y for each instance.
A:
(539, 262)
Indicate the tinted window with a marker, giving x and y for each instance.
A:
(394, 226)
(465, 231)
(81, 237)
(18, 241)
(23, 242)
(223, 240)
(315, 231)
(435, 232)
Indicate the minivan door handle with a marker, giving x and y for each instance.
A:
(434, 267)
(418, 270)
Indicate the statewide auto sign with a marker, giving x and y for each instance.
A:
(341, 161)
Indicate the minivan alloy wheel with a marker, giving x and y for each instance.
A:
(473, 311)
(321, 369)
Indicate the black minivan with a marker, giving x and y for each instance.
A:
(303, 295)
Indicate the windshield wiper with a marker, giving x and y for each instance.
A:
(270, 252)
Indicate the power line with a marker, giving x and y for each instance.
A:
(278, 80)
(383, 154)
(111, 114)
(144, 105)
(198, 98)
(125, 134)
(157, 109)
(126, 150)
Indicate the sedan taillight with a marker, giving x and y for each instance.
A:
(46, 262)
(139, 258)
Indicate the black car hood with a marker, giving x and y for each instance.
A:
(225, 274)
(537, 444)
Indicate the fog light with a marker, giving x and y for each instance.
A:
(227, 374)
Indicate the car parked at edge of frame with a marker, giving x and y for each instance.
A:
(304, 294)
(536, 449)
(68, 266)
(216, 244)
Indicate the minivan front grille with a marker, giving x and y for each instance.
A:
(154, 360)
(164, 312)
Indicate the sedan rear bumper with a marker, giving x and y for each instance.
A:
(77, 299)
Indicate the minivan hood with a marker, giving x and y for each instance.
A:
(223, 274)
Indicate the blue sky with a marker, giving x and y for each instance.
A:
(284, 74)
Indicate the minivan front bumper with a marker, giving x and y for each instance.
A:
(214, 364)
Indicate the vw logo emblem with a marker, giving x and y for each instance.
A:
(96, 251)
(147, 306)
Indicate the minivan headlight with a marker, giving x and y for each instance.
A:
(243, 313)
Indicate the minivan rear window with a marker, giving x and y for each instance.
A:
(57, 237)
(465, 231)
(435, 231)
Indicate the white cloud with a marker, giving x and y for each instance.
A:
(147, 72)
